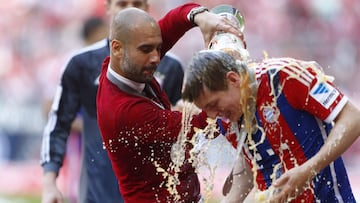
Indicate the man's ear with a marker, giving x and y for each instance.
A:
(233, 78)
(116, 48)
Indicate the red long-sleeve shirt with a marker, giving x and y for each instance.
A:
(137, 133)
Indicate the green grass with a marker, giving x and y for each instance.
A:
(19, 199)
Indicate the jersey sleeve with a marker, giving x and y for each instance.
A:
(65, 107)
(306, 87)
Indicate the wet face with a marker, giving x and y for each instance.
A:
(224, 103)
(114, 6)
(141, 54)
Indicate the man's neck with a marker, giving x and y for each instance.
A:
(139, 87)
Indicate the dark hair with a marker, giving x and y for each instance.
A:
(90, 25)
(207, 68)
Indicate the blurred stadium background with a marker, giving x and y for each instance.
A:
(36, 36)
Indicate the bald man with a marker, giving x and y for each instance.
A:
(134, 116)
(77, 92)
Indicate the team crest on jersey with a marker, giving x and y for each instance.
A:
(270, 114)
(324, 94)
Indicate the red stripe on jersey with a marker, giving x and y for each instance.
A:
(284, 143)
(306, 196)
(259, 179)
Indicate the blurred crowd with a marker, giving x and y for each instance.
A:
(36, 36)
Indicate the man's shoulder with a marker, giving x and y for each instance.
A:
(99, 48)
(170, 60)
(88, 57)
(285, 61)
(171, 57)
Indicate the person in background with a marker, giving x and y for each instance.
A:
(170, 75)
(134, 115)
(294, 139)
(77, 92)
(95, 29)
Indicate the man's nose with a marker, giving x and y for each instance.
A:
(155, 57)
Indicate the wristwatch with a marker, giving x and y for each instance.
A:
(194, 12)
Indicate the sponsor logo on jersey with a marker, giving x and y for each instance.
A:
(321, 89)
(324, 93)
